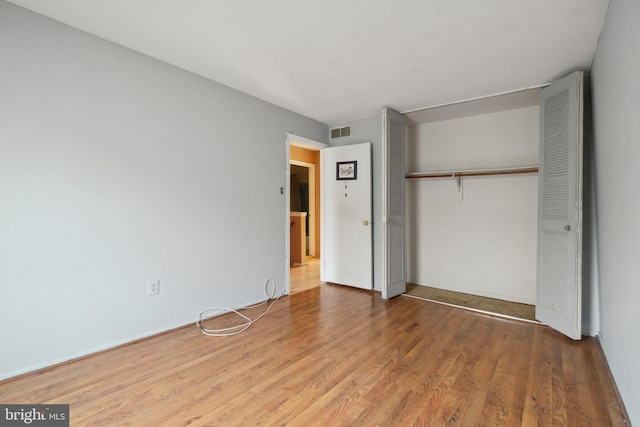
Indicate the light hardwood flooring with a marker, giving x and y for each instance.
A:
(337, 356)
(491, 305)
(306, 276)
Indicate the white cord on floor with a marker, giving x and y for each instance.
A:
(246, 323)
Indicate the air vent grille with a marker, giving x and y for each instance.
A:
(341, 132)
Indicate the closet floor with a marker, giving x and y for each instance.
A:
(507, 308)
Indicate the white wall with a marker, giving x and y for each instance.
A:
(616, 92)
(486, 243)
(116, 169)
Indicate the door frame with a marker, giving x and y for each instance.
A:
(309, 144)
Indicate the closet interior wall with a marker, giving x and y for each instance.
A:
(485, 243)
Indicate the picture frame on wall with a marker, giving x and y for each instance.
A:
(346, 171)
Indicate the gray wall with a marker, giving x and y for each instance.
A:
(370, 130)
(117, 169)
(615, 72)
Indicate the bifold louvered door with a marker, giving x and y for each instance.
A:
(393, 270)
(559, 278)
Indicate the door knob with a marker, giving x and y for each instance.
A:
(567, 228)
(365, 222)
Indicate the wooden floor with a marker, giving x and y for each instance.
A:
(337, 356)
(306, 276)
(475, 302)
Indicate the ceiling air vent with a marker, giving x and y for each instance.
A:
(340, 132)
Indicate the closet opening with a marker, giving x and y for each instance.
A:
(471, 203)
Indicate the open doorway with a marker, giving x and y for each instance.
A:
(303, 206)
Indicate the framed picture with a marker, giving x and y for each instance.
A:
(347, 170)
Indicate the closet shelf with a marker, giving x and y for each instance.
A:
(476, 172)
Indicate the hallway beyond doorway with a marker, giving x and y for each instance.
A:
(306, 276)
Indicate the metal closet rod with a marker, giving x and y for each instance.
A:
(476, 172)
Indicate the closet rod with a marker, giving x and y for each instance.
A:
(479, 172)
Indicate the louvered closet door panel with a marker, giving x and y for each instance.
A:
(556, 156)
(393, 274)
(559, 279)
(396, 166)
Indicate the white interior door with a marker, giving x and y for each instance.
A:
(346, 243)
(393, 268)
(559, 275)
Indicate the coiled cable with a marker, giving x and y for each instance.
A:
(246, 320)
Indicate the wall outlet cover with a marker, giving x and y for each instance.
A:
(153, 287)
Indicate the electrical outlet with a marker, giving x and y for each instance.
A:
(153, 287)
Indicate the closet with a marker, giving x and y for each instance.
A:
(472, 196)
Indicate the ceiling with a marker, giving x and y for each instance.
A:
(339, 60)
